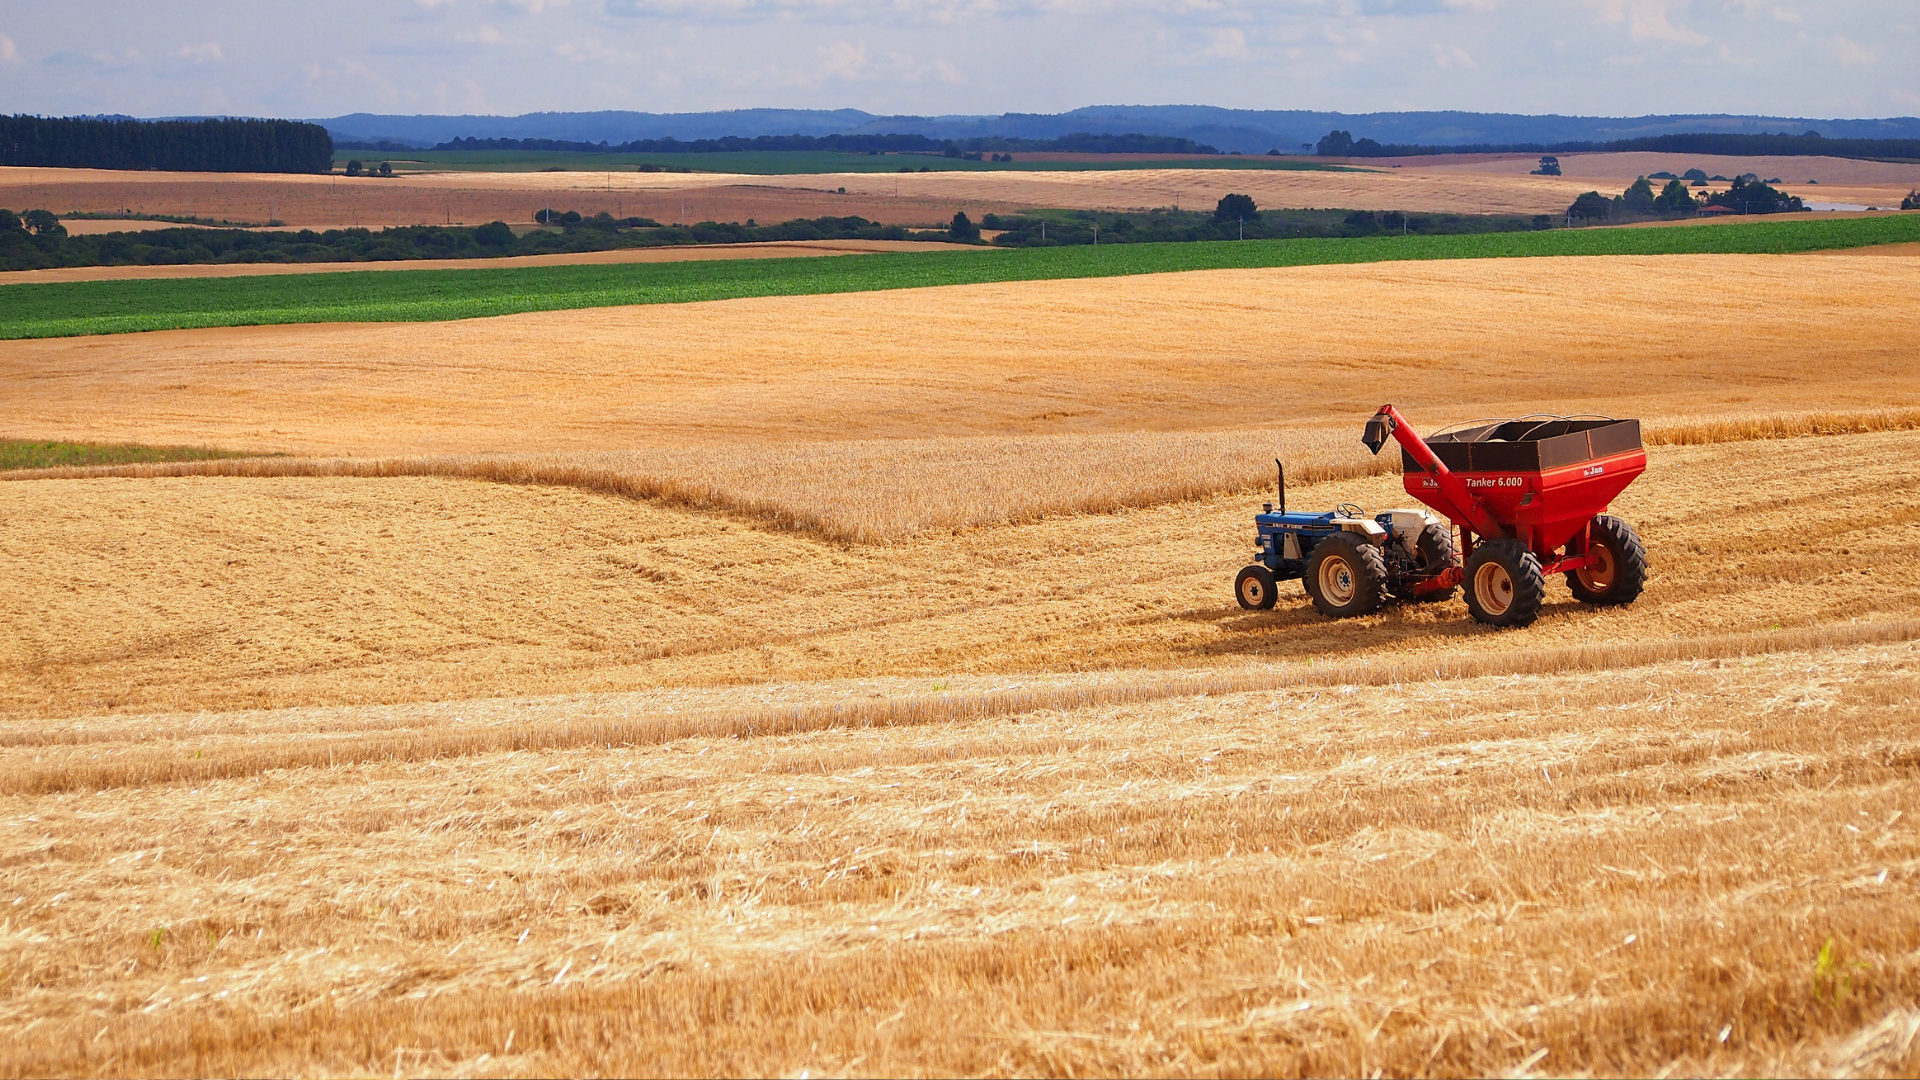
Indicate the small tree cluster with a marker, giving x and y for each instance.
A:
(37, 222)
(1673, 200)
(1236, 208)
(1749, 195)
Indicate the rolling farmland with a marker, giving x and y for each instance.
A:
(128, 306)
(1481, 184)
(852, 683)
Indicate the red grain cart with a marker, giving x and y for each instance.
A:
(1529, 497)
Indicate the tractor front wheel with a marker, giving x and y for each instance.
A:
(1504, 584)
(1346, 576)
(1255, 588)
(1616, 567)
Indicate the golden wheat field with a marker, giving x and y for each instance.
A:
(1685, 336)
(853, 685)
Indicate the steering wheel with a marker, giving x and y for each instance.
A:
(1349, 510)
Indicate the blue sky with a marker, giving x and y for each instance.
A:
(1606, 57)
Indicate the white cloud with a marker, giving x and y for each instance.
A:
(1647, 20)
(845, 60)
(203, 54)
(1451, 57)
(486, 34)
(1851, 53)
(8, 53)
(1228, 44)
(103, 61)
(597, 52)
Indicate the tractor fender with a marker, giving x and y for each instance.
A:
(1366, 527)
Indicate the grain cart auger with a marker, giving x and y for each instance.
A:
(1528, 497)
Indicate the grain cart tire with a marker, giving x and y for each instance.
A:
(1504, 583)
(1436, 554)
(1255, 588)
(1620, 564)
(1346, 576)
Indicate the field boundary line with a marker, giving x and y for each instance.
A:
(169, 764)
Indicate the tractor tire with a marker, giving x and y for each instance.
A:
(1436, 554)
(1504, 584)
(1620, 572)
(1346, 576)
(1255, 588)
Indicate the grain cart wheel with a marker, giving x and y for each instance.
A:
(1346, 576)
(1255, 588)
(1436, 554)
(1619, 569)
(1504, 583)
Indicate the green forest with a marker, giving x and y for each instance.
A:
(1342, 144)
(173, 145)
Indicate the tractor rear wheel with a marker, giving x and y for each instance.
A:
(1436, 554)
(1504, 584)
(1255, 588)
(1618, 564)
(1346, 576)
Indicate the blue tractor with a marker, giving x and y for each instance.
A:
(1348, 562)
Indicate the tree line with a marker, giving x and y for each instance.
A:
(174, 145)
(1237, 217)
(1747, 195)
(1811, 144)
(1077, 143)
(35, 240)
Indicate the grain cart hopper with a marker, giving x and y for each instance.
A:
(1528, 497)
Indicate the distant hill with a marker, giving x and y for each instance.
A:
(1246, 130)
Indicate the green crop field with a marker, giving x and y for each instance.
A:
(47, 454)
(112, 307)
(787, 162)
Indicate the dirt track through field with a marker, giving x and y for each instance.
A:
(1658, 337)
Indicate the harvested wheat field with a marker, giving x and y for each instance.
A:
(1659, 337)
(185, 593)
(853, 685)
(900, 834)
(474, 198)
